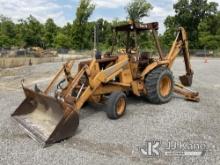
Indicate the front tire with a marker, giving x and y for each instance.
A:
(116, 105)
(159, 84)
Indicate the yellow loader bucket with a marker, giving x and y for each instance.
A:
(45, 119)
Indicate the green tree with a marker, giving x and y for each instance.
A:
(7, 32)
(80, 33)
(146, 42)
(20, 34)
(31, 32)
(50, 33)
(168, 35)
(67, 29)
(209, 32)
(137, 9)
(62, 41)
(189, 14)
(104, 34)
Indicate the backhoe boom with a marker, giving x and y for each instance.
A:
(181, 44)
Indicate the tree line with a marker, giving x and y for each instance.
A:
(200, 18)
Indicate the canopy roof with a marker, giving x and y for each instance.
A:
(138, 27)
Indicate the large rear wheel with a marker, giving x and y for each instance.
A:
(159, 84)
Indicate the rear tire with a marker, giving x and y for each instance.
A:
(159, 84)
(116, 105)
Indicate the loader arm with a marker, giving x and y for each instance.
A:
(102, 77)
(181, 44)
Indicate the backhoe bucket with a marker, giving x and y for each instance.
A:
(45, 119)
(186, 80)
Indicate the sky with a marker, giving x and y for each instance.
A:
(63, 11)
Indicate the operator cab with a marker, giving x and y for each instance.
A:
(130, 33)
(125, 41)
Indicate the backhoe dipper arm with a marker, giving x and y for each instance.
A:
(181, 43)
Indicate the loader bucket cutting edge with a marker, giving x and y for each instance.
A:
(44, 118)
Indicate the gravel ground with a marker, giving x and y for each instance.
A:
(99, 140)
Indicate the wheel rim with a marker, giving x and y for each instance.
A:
(120, 106)
(165, 86)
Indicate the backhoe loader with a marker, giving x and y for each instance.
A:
(50, 118)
